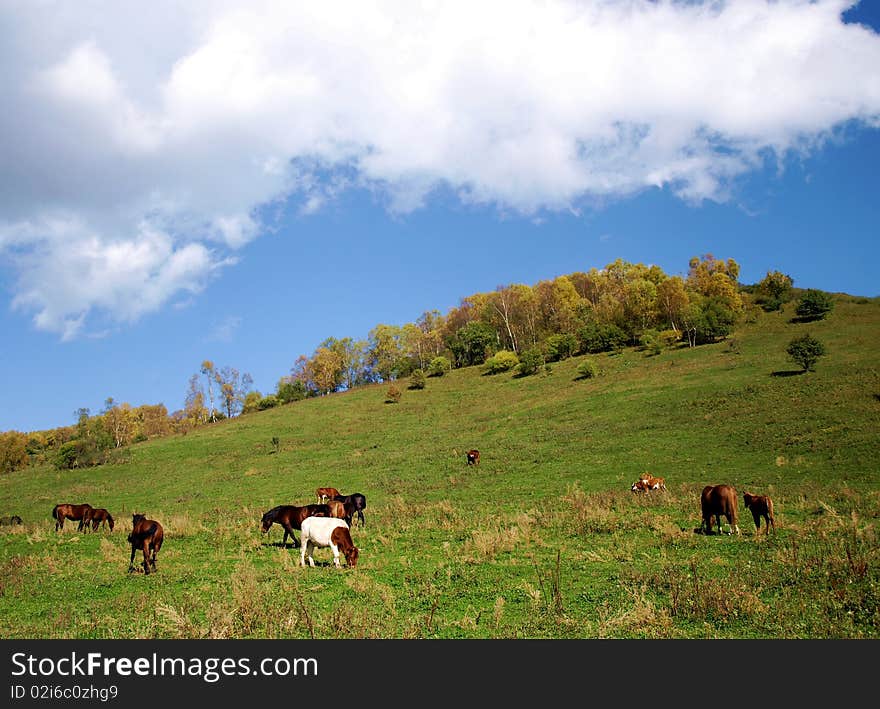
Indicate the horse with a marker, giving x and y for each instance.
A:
(148, 535)
(327, 532)
(473, 457)
(338, 510)
(761, 506)
(11, 520)
(326, 492)
(99, 516)
(77, 513)
(717, 500)
(358, 502)
(290, 517)
(648, 482)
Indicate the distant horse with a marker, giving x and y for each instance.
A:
(326, 493)
(473, 457)
(10, 521)
(99, 516)
(290, 517)
(355, 502)
(77, 513)
(327, 532)
(148, 535)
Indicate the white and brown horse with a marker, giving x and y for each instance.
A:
(326, 532)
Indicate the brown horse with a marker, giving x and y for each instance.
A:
(290, 517)
(761, 506)
(148, 535)
(715, 501)
(325, 493)
(99, 516)
(77, 513)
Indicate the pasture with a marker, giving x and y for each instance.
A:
(542, 539)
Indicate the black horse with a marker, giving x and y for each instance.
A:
(354, 502)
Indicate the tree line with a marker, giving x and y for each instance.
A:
(623, 304)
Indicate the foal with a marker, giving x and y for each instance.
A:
(100, 516)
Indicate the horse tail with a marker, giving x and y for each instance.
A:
(55, 512)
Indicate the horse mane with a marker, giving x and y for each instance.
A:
(272, 514)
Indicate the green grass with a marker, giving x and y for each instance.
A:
(542, 540)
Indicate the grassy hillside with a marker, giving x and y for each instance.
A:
(542, 540)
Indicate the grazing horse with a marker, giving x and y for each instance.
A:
(717, 500)
(146, 534)
(11, 520)
(357, 503)
(99, 516)
(327, 493)
(327, 532)
(761, 506)
(77, 513)
(473, 457)
(290, 517)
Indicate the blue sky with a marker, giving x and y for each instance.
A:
(239, 181)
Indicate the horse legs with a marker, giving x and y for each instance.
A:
(59, 523)
(306, 550)
(131, 560)
(289, 530)
(146, 557)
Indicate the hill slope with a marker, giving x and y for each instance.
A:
(543, 539)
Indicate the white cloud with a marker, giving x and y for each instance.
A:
(159, 130)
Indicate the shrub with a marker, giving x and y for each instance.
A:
(290, 390)
(267, 402)
(670, 338)
(530, 362)
(805, 351)
(65, 458)
(251, 402)
(600, 338)
(814, 305)
(561, 346)
(417, 379)
(501, 361)
(438, 366)
(588, 369)
(774, 291)
(392, 396)
(650, 342)
(471, 343)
